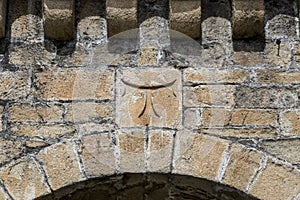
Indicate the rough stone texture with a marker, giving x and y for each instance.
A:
(1, 114)
(121, 16)
(289, 121)
(185, 17)
(278, 76)
(79, 112)
(276, 182)
(61, 165)
(9, 150)
(213, 117)
(59, 19)
(132, 150)
(98, 155)
(248, 18)
(266, 97)
(3, 194)
(92, 24)
(242, 165)
(14, 85)
(43, 131)
(287, 149)
(192, 118)
(3, 18)
(24, 180)
(241, 132)
(25, 21)
(198, 155)
(25, 112)
(149, 97)
(160, 150)
(278, 55)
(203, 75)
(148, 56)
(75, 84)
(209, 95)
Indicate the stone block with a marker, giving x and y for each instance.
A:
(276, 182)
(287, 149)
(80, 112)
(205, 75)
(2, 18)
(149, 97)
(266, 97)
(242, 165)
(14, 85)
(92, 24)
(192, 118)
(244, 58)
(59, 19)
(278, 54)
(1, 117)
(61, 165)
(98, 155)
(24, 180)
(254, 117)
(278, 76)
(25, 21)
(148, 56)
(216, 29)
(290, 122)
(185, 17)
(209, 95)
(10, 150)
(160, 150)
(71, 84)
(132, 145)
(39, 113)
(121, 16)
(198, 155)
(241, 132)
(42, 131)
(248, 18)
(215, 117)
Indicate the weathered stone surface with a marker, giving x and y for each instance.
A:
(276, 182)
(278, 54)
(25, 21)
(248, 18)
(149, 97)
(92, 24)
(1, 114)
(75, 84)
(203, 75)
(216, 29)
(2, 18)
(24, 180)
(160, 150)
(132, 151)
(281, 19)
(185, 17)
(296, 54)
(192, 118)
(254, 117)
(121, 16)
(9, 150)
(90, 128)
(242, 166)
(34, 54)
(290, 122)
(98, 155)
(244, 58)
(287, 149)
(198, 155)
(148, 56)
(89, 111)
(14, 85)
(61, 165)
(278, 76)
(59, 19)
(266, 97)
(3, 194)
(209, 95)
(241, 132)
(25, 112)
(43, 131)
(215, 117)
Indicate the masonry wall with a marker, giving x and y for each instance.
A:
(93, 89)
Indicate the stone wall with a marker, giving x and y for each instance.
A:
(92, 89)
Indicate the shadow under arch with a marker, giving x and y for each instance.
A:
(148, 186)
